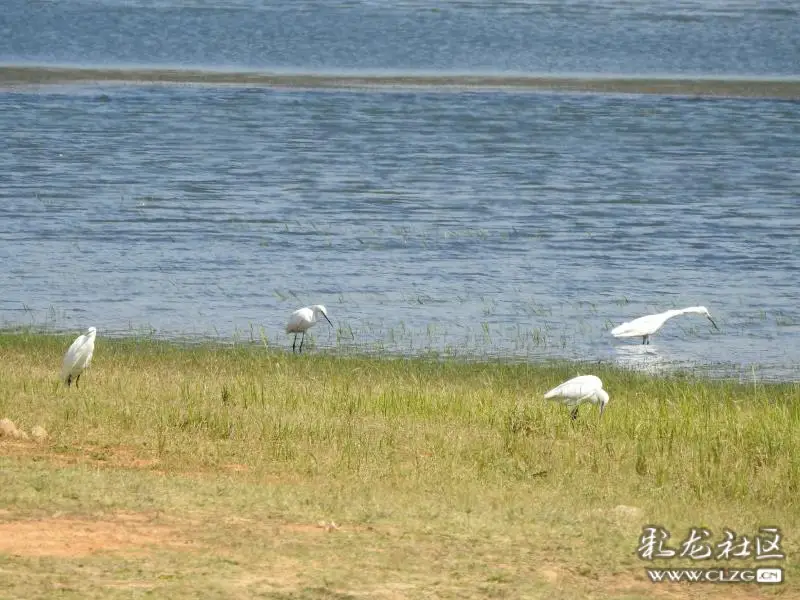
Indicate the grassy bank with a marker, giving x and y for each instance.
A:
(237, 472)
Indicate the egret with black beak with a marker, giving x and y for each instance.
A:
(647, 326)
(302, 319)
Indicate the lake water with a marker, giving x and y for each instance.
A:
(755, 37)
(466, 221)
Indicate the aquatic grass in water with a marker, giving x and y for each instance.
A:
(485, 340)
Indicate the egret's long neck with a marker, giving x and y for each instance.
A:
(692, 310)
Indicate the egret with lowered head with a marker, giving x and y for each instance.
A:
(578, 390)
(647, 326)
(302, 319)
(78, 357)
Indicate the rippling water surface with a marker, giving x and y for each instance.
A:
(486, 223)
(587, 36)
(470, 222)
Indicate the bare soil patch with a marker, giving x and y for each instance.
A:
(72, 537)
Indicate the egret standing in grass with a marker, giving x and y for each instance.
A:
(647, 326)
(578, 390)
(78, 357)
(302, 319)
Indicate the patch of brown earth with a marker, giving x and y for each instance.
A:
(72, 537)
(108, 456)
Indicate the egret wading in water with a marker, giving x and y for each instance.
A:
(647, 326)
(78, 357)
(578, 390)
(302, 319)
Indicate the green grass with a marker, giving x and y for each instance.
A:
(446, 478)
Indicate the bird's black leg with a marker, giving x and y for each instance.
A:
(294, 342)
(69, 380)
(302, 339)
(76, 380)
(644, 340)
(574, 413)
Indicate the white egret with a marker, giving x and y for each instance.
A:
(302, 319)
(578, 390)
(78, 357)
(647, 326)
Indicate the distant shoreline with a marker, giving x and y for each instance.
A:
(31, 76)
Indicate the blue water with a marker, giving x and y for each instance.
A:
(500, 223)
(554, 36)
